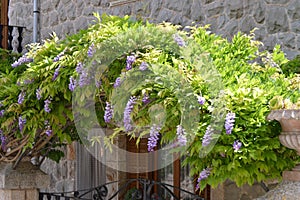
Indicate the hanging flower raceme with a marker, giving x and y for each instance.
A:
(22, 123)
(83, 78)
(91, 50)
(143, 66)
(21, 97)
(108, 114)
(57, 58)
(146, 99)
(22, 60)
(72, 84)
(237, 145)
(118, 82)
(56, 73)
(154, 137)
(207, 136)
(203, 175)
(229, 122)
(48, 131)
(129, 61)
(47, 105)
(127, 112)
(38, 93)
(79, 68)
(179, 40)
(3, 140)
(2, 113)
(201, 100)
(181, 136)
(98, 83)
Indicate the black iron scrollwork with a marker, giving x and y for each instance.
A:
(143, 189)
(101, 193)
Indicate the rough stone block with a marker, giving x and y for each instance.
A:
(235, 9)
(247, 24)
(19, 194)
(277, 1)
(276, 20)
(295, 26)
(291, 176)
(175, 5)
(293, 10)
(24, 176)
(288, 40)
(259, 12)
(214, 9)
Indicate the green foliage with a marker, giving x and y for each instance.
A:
(249, 80)
(292, 66)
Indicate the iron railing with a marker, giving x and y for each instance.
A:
(131, 189)
(10, 35)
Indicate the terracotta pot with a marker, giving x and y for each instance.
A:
(290, 123)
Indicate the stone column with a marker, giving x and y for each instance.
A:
(22, 183)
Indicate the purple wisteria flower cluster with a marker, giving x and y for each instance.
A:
(98, 83)
(83, 76)
(154, 137)
(21, 97)
(22, 122)
(1, 111)
(22, 60)
(47, 105)
(237, 145)
(28, 81)
(108, 114)
(56, 73)
(48, 131)
(127, 112)
(207, 136)
(129, 61)
(91, 50)
(38, 94)
(181, 136)
(229, 122)
(57, 58)
(179, 40)
(146, 99)
(201, 100)
(2, 140)
(72, 84)
(118, 82)
(143, 66)
(203, 175)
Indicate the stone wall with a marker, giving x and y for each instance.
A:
(278, 21)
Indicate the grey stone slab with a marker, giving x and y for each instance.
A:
(213, 9)
(295, 26)
(259, 12)
(294, 10)
(197, 12)
(247, 24)
(175, 5)
(288, 40)
(277, 1)
(235, 9)
(285, 190)
(25, 176)
(276, 20)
